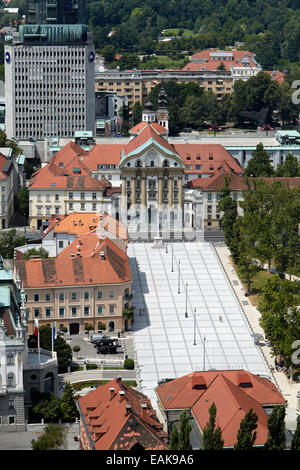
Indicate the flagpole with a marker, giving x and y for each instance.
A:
(39, 346)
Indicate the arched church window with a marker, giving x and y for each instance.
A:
(138, 163)
(165, 163)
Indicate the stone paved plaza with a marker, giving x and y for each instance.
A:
(164, 337)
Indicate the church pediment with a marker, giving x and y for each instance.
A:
(151, 154)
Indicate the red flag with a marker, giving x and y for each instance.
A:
(36, 330)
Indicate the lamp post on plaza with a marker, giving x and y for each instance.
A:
(166, 248)
(195, 327)
(172, 270)
(186, 290)
(179, 277)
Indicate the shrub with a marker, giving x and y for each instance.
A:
(91, 366)
(129, 364)
(76, 348)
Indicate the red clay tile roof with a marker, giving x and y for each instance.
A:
(103, 154)
(78, 270)
(86, 222)
(276, 75)
(109, 425)
(53, 177)
(140, 126)
(234, 393)
(210, 64)
(3, 161)
(147, 133)
(208, 156)
(217, 181)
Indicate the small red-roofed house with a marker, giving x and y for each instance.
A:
(234, 392)
(118, 417)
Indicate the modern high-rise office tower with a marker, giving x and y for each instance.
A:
(49, 73)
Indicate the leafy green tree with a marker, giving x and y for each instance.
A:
(296, 438)
(276, 427)
(61, 347)
(68, 404)
(23, 202)
(174, 439)
(184, 432)
(212, 434)
(229, 206)
(9, 241)
(53, 438)
(290, 168)
(260, 164)
(36, 252)
(48, 407)
(137, 113)
(109, 53)
(246, 435)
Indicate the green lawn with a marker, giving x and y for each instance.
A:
(175, 32)
(81, 385)
(258, 282)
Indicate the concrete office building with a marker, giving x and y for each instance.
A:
(49, 75)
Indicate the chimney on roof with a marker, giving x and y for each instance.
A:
(198, 382)
(102, 255)
(72, 255)
(128, 410)
(122, 395)
(144, 411)
(111, 393)
(78, 253)
(56, 221)
(119, 378)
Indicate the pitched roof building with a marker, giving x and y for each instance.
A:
(89, 281)
(117, 417)
(234, 393)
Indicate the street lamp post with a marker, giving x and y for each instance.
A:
(194, 327)
(204, 339)
(186, 290)
(179, 277)
(172, 270)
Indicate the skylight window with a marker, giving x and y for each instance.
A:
(53, 184)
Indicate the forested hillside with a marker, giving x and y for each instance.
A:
(270, 28)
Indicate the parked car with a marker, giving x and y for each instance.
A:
(107, 349)
(95, 338)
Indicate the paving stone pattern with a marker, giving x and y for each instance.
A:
(164, 338)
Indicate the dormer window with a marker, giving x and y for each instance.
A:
(76, 171)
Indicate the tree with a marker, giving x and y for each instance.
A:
(54, 438)
(48, 407)
(212, 435)
(246, 435)
(88, 327)
(137, 113)
(184, 432)
(68, 405)
(290, 168)
(63, 350)
(229, 206)
(276, 426)
(9, 241)
(296, 438)
(34, 252)
(260, 164)
(109, 53)
(174, 439)
(23, 202)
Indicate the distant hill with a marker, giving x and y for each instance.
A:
(270, 28)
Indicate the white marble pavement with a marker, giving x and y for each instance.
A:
(164, 337)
